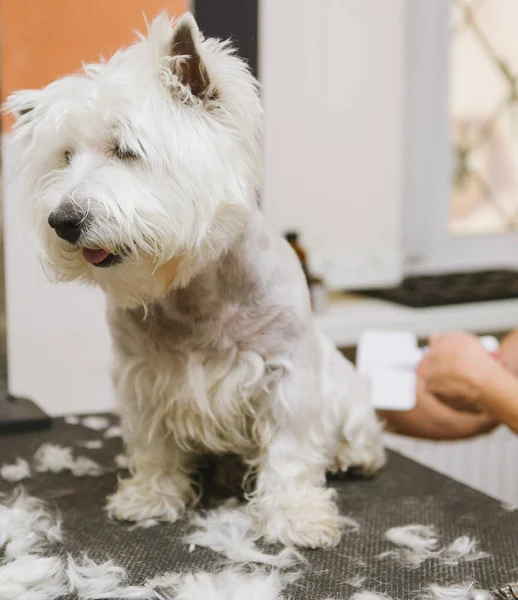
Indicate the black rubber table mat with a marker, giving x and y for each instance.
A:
(452, 288)
(402, 493)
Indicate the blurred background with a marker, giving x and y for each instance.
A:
(391, 154)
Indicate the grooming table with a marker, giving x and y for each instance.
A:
(403, 493)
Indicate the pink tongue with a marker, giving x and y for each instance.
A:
(94, 257)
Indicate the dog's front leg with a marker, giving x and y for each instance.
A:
(160, 485)
(291, 503)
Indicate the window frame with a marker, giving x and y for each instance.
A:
(428, 246)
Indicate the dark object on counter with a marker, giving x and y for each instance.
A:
(20, 414)
(450, 288)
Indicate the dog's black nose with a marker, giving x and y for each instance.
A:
(67, 221)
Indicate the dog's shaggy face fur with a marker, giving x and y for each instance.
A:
(165, 191)
(145, 173)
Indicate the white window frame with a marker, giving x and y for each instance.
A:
(428, 247)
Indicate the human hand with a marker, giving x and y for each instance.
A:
(456, 365)
(432, 419)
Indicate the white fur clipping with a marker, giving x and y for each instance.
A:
(231, 532)
(86, 467)
(227, 585)
(96, 423)
(113, 431)
(368, 595)
(357, 581)
(17, 471)
(418, 543)
(26, 530)
(145, 524)
(463, 549)
(56, 458)
(90, 580)
(436, 592)
(72, 420)
(53, 458)
(121, 460)
(91, 444)
(432, 592)
(32, 577)
(26, 525)
(353, 524)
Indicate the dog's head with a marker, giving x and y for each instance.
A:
(143, 168)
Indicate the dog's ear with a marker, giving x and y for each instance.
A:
(21, 103)
(185, 43)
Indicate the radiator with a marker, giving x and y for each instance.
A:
(488, 463)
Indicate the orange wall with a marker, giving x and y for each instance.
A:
(43, 39)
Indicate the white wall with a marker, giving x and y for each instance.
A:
(58, 342)
(334, 74)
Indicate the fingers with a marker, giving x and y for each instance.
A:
(424, 368)
(499, 357)
(449, 425)
(468, 425)
(452, 336)
(433, 420)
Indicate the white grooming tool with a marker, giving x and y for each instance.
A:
(388, 360)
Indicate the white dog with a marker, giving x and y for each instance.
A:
(145, 173)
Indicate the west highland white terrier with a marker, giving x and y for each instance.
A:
(145, 173)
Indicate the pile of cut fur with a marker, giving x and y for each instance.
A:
(418, 543)
(35, 567)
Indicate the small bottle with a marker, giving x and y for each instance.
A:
(317, 289)
(293, 240)
(318, 294)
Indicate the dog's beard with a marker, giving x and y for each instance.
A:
(135, 272)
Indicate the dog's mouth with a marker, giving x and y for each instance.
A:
(100, 258)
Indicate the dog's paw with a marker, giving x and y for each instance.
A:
(136, 501)
(367, 455)
(306, 518)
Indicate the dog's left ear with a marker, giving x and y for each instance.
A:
(186, 43)
(21, 103)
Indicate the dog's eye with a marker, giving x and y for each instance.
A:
(123, 153)
(68, 156)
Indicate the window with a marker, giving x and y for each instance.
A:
(461, 200)
(484, 111)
